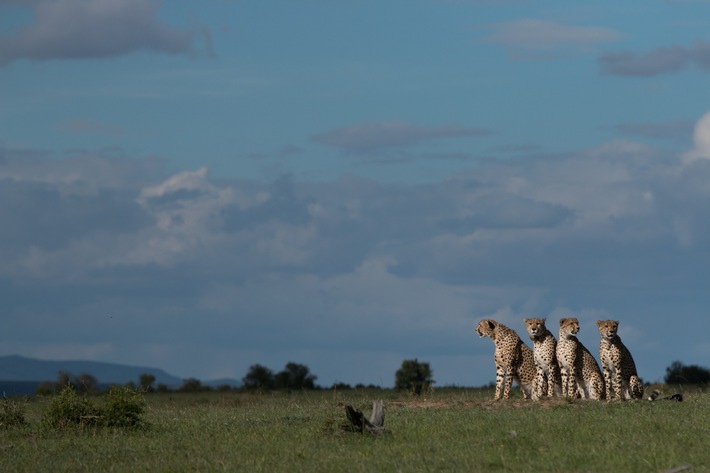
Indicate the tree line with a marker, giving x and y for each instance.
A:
(413, 376)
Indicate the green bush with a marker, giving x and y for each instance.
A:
(12, 413)
(124, 407)
(70, 408)
(414, 376)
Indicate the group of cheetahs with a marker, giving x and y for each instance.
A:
(562, 367)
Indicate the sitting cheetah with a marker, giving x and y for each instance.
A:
(513, 358)
(580, 371)
(619, 367)
(547, 382)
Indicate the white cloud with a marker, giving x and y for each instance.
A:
(701, 140)
(351, 266)
(187, 181)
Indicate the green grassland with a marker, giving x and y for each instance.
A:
(444, 430)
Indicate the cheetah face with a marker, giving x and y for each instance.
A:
(569, 327)
(486, 328)
(535, 326)
(608, 328)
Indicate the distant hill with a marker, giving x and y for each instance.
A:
(18, 368)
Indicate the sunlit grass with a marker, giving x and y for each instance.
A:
(445, 430)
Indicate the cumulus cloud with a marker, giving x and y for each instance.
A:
(662, 60)
(71, 29)
(250, 272)
(369, 137)
(701, 140)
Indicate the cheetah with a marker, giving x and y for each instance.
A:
(617, 363)
(547, 382)
(513, 359)
(580, 371)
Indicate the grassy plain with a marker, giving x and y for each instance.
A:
(446, 430)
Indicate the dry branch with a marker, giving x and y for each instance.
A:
(358, 422)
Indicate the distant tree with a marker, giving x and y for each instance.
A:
(64, 379)
(193, 385)
(259, 378)
(86, 384)
(146, 381)
(413, 376)
(162, 388)
(340, 386)
(367, 386)
(295, 376)
(45, 388)
(677, 373)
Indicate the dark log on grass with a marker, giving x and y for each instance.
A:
(358, 422)
(678, 397)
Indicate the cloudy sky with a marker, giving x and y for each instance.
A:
(203, 186)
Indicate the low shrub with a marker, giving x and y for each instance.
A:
(69, 408)
(124, 407)
(12, 413)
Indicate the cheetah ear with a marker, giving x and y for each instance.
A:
(525, 320)
(562, 322)
(544, 319)
(599, 323)
(490, 323)
(616, 322)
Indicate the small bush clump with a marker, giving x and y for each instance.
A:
(12, 413)
(70, 408)
(124, 407)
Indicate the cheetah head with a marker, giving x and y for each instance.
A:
(608, 328)
(486, 328)
(535, 327)
(569, 327)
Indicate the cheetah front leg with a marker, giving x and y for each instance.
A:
(508, 384)
(564, 374)
(636, 387)
(540, 381)
(574, 389)
(617, 384)
(607, 382)
(500, 377)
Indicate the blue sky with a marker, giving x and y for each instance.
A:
(203, 187)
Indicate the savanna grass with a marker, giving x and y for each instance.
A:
(444, 430)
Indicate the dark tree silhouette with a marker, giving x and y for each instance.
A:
(64, 379)
(193, 385)
(678, 373)
(146, 381)
(259, 378)
(413, 376)
(86, 383)
(295, 376)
